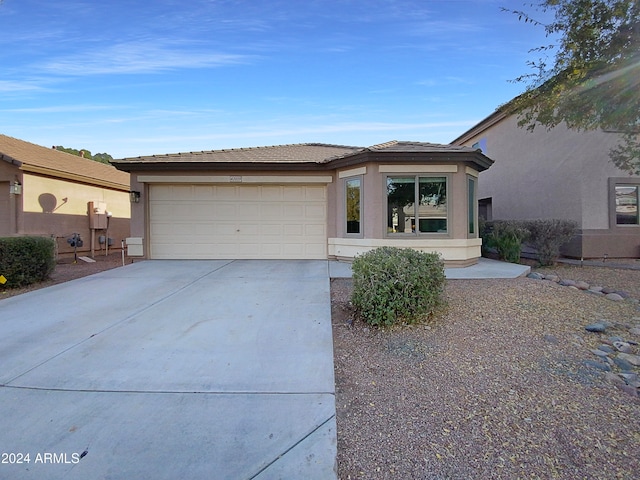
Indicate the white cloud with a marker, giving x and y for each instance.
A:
(138, 57)
(7, 86)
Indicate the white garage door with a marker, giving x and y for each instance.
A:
(238, 221)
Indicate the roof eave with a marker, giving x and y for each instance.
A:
(131, 167)
(480, 161)
(10, 159)
(497, 116)
(75, 177)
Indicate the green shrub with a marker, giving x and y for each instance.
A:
(392, 285)
(547, 236)
(506, 236)
(26, 260)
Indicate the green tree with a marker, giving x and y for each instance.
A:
(593, 79)
(98, 157)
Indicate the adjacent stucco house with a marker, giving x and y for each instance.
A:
(47, 192)
(558, 173)
(306, 201)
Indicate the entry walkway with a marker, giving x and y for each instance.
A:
(485, 268)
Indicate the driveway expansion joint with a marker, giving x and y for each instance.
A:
(318, 427)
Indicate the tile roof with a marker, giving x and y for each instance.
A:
(48, 161)
(294, 153)
(315, 153)
(418, 147)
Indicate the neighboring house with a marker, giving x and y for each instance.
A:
(47, 192)
(558, 173)
(312, 201)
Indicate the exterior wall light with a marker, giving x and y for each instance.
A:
(16, 188)
(134, 197)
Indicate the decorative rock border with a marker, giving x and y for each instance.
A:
(619, 354)
(608, 293)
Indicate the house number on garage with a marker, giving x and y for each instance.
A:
(235, 178)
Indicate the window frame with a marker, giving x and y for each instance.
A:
(613, 217)
(472, 214)
(346, 180)
(416, 178)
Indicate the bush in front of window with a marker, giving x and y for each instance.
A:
(506, 236)
(547, 236)
(26, 260)
(393, 285)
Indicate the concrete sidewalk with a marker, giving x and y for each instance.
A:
(485, 268)
(172, 369)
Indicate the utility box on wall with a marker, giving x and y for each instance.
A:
(134, 247)
(97, 215)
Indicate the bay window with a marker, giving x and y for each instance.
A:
(417, 205)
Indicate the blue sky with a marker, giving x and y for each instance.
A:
(162, 76)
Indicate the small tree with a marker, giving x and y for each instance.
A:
(594, 80)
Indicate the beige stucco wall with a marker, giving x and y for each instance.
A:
(557, 173)
(455, 247)
(58, 208)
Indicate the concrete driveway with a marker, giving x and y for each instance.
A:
(170, 370)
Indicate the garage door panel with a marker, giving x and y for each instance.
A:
(238, 221)
(204, 192)
(293, 211)
(314, 230)
(271, 193)
(292, 230)
(272, 212)
(225, 192)
(314, 212)
(248, 211)
(315, 193)
(274, 229)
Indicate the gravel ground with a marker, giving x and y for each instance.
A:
(495, 387)
(68, 269)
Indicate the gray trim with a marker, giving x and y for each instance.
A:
(612, 182)
(360, 178)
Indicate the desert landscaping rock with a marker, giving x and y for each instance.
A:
(606, 348)
(614, 296)
(596, 327)
(582, 285)
(610, 293)
(635, 331)
(623, 364)
(632, 359)
(623, 347)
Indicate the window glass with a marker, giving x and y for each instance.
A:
(353, 205)
(401, 195)
(432, 210)
(417, 205)
(626, 205)
(471, 205)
